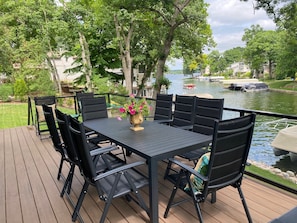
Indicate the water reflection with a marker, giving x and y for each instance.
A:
(261, 151)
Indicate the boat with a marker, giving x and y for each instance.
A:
(255, 87)
(248, 87)
(189, 86)
(285, 143)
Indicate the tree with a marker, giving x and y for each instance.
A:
(25, 42)
(178, 25)
(234, 55)
(261, 47)
(284, 13)
(217, 62)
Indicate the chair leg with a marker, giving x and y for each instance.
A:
(170, 201)
(68, 180)
(168, 168)
(213, 197)
(244, 205)
(80, 200)
(60, 168)
(109, 198)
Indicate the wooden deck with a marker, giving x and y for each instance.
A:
(29, 191)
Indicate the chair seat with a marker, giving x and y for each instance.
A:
(123, 187)
(195, 154)
(288, 217)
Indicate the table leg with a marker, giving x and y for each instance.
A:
(153, 188)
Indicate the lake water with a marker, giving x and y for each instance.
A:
(261, 151)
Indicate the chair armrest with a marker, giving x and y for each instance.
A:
(189, 169)
(90, 133)
(164, 121)
(102, 150)
(185, 127)
(118, 169)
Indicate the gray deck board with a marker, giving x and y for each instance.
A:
(29, 191)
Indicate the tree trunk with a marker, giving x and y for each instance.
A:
(51, 62)
(53, 69)
(87, 66)
(162, 60)
(125, 53)
(270, 69)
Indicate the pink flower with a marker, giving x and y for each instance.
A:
(132, 112)
(122, 110)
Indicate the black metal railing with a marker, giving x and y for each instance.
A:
(237, 111)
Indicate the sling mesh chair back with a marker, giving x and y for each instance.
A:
(102, 157)
(79, 96)
(93, 108)
(39, 121)
(54, 135)
(224, 167)
(121, 181)
(183, 116)
(207, 111)
(163, 108)
(96, 108)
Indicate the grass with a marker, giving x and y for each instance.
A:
(271, 176)
(15, 114)
(283, 84)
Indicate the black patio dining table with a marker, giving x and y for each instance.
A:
(154, 143)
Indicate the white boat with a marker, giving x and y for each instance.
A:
(285, 142)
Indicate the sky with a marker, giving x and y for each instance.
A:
(228, 19)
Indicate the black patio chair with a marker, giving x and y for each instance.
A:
(93, 108)
(54, 135)
(79, 96)
(118, 182)
(163, 108)
(230, 147)
(207, 110)
(96, 108)
(39, 121)
(183, 115)
(102, 156)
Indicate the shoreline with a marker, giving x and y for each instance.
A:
(288, 175)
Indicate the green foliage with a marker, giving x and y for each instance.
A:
(6, 90)
(20, 88)
(165, 81)
(101, 84)
(41, 83)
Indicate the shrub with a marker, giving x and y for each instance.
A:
(6, 90)
(20, 88)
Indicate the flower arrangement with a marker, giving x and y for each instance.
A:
(134, 106)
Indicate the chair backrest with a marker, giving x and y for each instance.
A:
(207, 110)
(79, 96)
(51, 124)
(45, 100)
(93, 108)
(81, 147)
(163, 109)
(183, 110)
(230, 148)
(63, 123)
